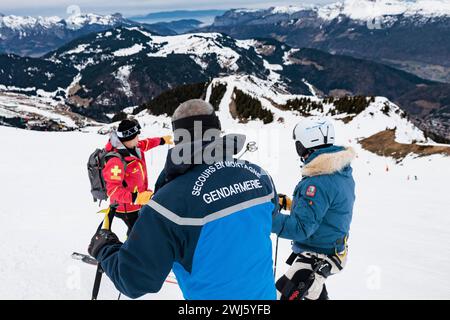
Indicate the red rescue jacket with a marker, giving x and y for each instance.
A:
(121, 183)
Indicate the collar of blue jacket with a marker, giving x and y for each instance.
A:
(318, 152)
(226, 147)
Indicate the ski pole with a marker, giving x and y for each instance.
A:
(276, 260)
(276, 251)
(106, 224)
(250, 147)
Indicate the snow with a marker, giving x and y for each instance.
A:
(13, 88)
(399, 238)
(22, 106)
(77, 21)
(369, 122)
(79, 49)
(19, 22)
(136, 48)
(287, 55)
(372, 121)
(289, 9)
(369, 10)
(310, 88)
(123, 74)
(198, 45)
(245, 44)
(244, 10)
(273, 67)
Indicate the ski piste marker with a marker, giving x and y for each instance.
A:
(90, 260)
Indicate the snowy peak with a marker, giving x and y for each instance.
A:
(74, 22)
(35, 36)
(290, 9)
(364, 9)
(80, 20)
(25, 22)
(367, 9)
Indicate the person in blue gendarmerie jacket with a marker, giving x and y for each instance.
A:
(209, 220)
(320, 212)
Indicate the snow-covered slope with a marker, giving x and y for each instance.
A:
(130, 41)
(398, 240)
(38, 113)
(199, 46)
(365, 124)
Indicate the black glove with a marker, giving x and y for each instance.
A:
(101, 239)
(284, 201)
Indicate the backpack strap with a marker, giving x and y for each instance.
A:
(115, 154)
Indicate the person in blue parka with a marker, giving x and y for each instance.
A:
(320, 212)
(209, 220)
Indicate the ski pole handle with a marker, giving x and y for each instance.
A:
(107, 222)
(109, 216)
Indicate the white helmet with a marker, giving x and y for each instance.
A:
(313, 133)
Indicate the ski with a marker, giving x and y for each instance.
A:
(90, 260)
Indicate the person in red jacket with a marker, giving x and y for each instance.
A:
(128, 187)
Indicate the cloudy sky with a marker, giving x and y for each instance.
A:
(132, 7)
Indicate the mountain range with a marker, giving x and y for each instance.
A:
(105, 72)
(31, 36)
(412, 36)
(206, 16)
(409, 35)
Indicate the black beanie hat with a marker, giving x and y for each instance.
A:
(128, 130)
(208, 121)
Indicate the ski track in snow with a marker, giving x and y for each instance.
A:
(398, 242)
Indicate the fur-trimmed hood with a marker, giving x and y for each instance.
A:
(328, 161)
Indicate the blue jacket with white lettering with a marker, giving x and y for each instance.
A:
(210, 223)
(322, 205)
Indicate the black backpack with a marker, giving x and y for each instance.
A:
(95, 166)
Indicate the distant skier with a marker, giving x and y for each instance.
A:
(320, 213)
(210, 220)
(128, 188)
